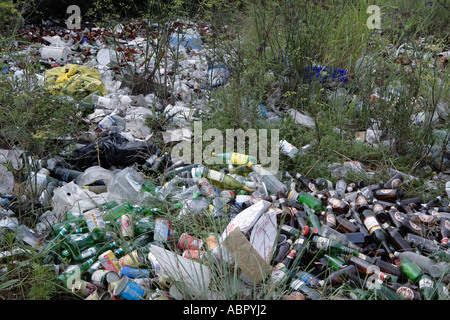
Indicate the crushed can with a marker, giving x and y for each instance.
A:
(189, 242)
(212, 240)
(127, 226)
(83, 288)
(109, 261)
(133, 273)
(129, 290)
(101, 278)
(131, 259)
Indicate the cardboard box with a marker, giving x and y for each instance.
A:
(254, 269)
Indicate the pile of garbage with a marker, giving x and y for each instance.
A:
(109, 211)
(107, 236)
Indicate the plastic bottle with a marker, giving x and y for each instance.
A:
(272, 184)
(105, 102)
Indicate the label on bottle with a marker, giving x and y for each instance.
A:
(335, 203)
(94, 219)
(205, 188)
(398, 216)
(133, 183)
(385, 191)
(239, 158)
(382, 276)
(103, 102)
(395, 183)
(215, 175)
(371, 224)
(331, 219)
(405, 293)
(323, 243)
(312, 187)
(87, 253)
(425, 217)
(415, 226)
(447, 224)
(377, 208)
(78, 237)
(426, 283)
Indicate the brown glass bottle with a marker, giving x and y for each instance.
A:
(339, 206)
(368, 268)
(394, 182)
(330, 217)
(397, 240)
(345, 226)
(404, 291)
(389, 194)
(381, 214)
(387, 267)
(338, 277)
(445, 231)
(361, 203)
(283, 250)
(408, 226)
(285, 215)
(396, 217)
(422, 219)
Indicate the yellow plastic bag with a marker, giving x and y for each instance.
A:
(73, 79)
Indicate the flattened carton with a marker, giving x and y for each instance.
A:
(254, 269)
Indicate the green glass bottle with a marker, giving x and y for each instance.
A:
(384, 293)
(116, 212)
(408, 267)
(290, 231)
(224, 181)
(92, 252)
(309, 293)
(234, 158)
(242, 170)
(150, 187)
(303, 197)
(75, 243)
(71, 270)
(331, 246)
(73, 224)
(144, 225)
(334, 262)
(427, 288)
(53, 245)
(313, 220)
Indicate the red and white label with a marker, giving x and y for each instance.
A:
(398, 216)
(335, 202)
(447, 224)
(395, 183)
(415, 226)
(425, 217)
(406, 293)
